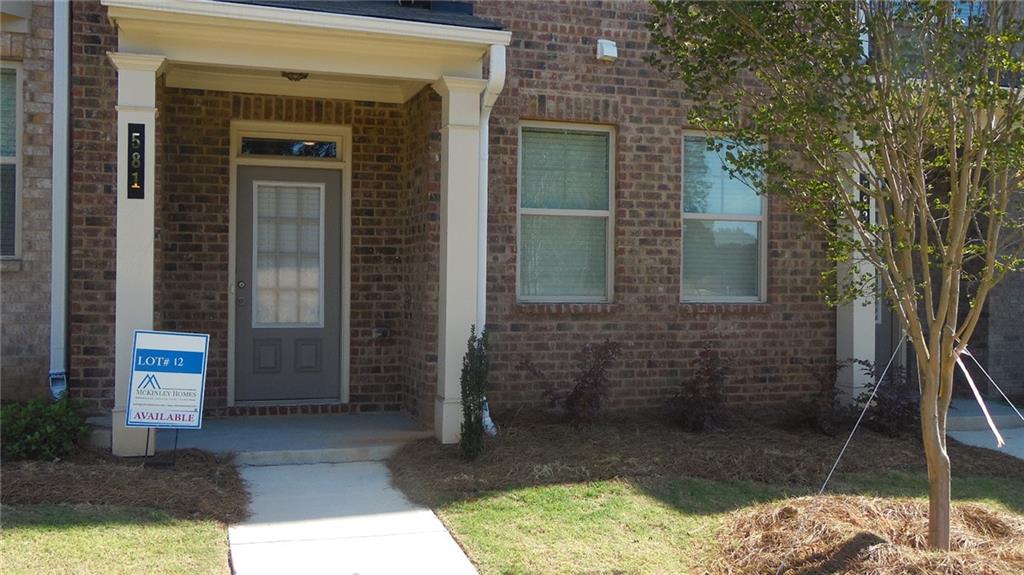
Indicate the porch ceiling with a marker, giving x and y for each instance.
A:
(222, 45)
(316, 85)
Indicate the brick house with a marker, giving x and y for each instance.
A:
(308, 192)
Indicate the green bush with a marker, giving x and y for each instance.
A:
(41, 429)
(473, 381)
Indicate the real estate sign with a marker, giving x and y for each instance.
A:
(168, 380)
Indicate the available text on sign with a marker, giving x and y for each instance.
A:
(168, 380)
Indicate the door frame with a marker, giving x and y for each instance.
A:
(342, 134)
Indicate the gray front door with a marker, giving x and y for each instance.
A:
(288, 284)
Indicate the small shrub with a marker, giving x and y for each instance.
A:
(823, 413)
(699, 405)
(41, 429)
(473, 382)
(895, 410)
(583, 403)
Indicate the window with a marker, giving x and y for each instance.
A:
(288, 254)
(566, 180)
(10, 160)
(723, 230)
(289, 148)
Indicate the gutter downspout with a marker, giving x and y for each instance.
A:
(495, 84)
(59, 199)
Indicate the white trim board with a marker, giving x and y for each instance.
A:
(342, 134)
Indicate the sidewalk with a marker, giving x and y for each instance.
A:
(1014, 438)
(341, 519)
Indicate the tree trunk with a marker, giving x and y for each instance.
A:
(933, 433)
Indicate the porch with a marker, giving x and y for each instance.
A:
(300, 147)
(299, 439)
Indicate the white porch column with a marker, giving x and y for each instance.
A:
(460, 154)
(855, 329)
(136, 104)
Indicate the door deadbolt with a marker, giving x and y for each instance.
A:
(241, 285)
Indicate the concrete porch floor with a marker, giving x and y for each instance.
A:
(299, 439)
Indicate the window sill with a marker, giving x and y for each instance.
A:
(589, 308)
(10, 264)
(725, 307)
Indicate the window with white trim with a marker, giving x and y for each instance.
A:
(10, 159)
(566, 186)
(723, 255)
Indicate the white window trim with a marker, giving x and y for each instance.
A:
(322, 191)
(19, 129)
(762, 236)
(609, 214)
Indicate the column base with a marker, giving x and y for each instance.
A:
(447, 420)
(130, 441)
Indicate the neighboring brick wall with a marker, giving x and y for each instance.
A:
(1006, 336)
(553, 75)
(1005, 345)
(25, 282)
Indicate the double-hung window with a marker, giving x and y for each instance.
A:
(724, 253)
(10, 159)
(566, 183)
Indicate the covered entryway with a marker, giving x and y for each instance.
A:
(312, 297)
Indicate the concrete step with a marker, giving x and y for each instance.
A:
(310, 456)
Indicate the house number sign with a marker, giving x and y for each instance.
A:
(136, 161)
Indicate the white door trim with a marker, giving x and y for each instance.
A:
(295, 131)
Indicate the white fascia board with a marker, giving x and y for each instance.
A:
(340, 22)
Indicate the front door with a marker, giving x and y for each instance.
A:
(288, 284)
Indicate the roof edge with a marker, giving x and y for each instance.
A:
(322, 20)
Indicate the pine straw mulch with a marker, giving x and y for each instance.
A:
(866, 536)
(200, 485)
(529, 453)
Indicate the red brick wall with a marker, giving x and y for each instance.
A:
(93, 205)
(192, 195)
(421, 253)
(553, 75)
(194, 217)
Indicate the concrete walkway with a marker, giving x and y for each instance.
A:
(338, 519)
(1014, 438)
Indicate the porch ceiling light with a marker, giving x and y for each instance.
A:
(295, 76)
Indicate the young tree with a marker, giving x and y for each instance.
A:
(913, 109)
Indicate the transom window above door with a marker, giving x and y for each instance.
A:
(566, 183)
(723, 255)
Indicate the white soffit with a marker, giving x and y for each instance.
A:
(204, 32)
(259, 81)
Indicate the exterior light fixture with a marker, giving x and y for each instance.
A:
(295, 76)
(607, 51)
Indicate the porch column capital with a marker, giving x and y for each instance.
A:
(136, 78)
(461, 100)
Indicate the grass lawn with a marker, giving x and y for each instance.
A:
(108, 540)
(95, 514)
(547, 499)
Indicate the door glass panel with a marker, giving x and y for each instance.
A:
(288, 255)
